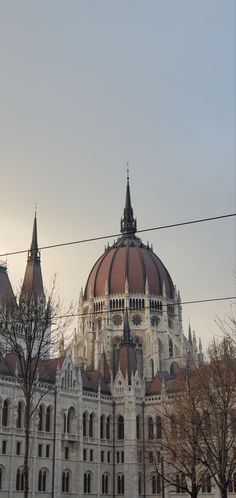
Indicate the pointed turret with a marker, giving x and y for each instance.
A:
(127, 356)
(33, 282)
(6, 292)
(190, 335)
(104, 368)
(128, 222)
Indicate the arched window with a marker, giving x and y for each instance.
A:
(206, 483)
(42, 480)
(120, 427)
(150, 428)
(170, 347)
(64, 423)
(84, 424)
(138, 431)
(120, 484)
(65, 483)
(87, 482)
(5, 413)
(105, 484)
(19, 480)
(102, 426)
(70, 420)
(48, 419)
(108, 427)
(156, 484)
(173, 426)
(19, 420)
(180, 483)
(152, 368)
(159, 428)
(40, 426)
(91, 425)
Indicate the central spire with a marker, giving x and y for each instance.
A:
(128, 222)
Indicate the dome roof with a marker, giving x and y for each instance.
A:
(128, 260)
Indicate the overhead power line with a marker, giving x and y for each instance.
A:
(196, 301)
(105, 237)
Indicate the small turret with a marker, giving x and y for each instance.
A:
(127, 355)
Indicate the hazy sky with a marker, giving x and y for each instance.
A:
(85, 87)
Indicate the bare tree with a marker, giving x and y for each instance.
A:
(177, 459)
(217, 385)
(25, 331)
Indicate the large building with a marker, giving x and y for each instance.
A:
(95, 428)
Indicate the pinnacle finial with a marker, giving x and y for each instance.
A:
(128, 222)
(34, 254)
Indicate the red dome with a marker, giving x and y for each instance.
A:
(128, 258)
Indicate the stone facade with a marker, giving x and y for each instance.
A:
(96, 426)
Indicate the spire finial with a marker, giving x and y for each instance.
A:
(34, 254)
(128, 222)
(127, 165)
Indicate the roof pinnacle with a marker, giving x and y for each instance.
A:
(128, 222)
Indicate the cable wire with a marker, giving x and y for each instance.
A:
(103, 237)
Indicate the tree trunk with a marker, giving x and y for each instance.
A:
(224, 491)
(27, 450)
(195, 491)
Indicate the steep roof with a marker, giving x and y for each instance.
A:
(6, 292)
(33, 281)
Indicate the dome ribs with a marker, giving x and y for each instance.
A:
(110, 270)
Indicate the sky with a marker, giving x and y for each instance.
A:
(87, 86)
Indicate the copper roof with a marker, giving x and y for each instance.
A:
(6, 292)
(33, 281)
(128, 258)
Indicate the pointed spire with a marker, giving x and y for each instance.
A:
(128, 222)
(127, 338)
(34, 254)
(190, 334)
(33, 282)
(127, 355)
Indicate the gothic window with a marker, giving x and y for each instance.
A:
(156, 484)
(150, 428)
(102, 426)
(65, 482)
(19, 419)
(5, 413)
(105, 484)
(19, 480)
(206, 484)
(40, 426)
(180, 483)
(117, 320)
(91, 425)
(108, 427)
(87, 483)
(84, 424)
(152, 368)
(136, 320)
(159, 428)
(42, 480)
(48, 419)
(71, 420)
(120, 484)
(120, 427)
(170, 323)
(64, 423)
(170, 347)
(138, 431)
